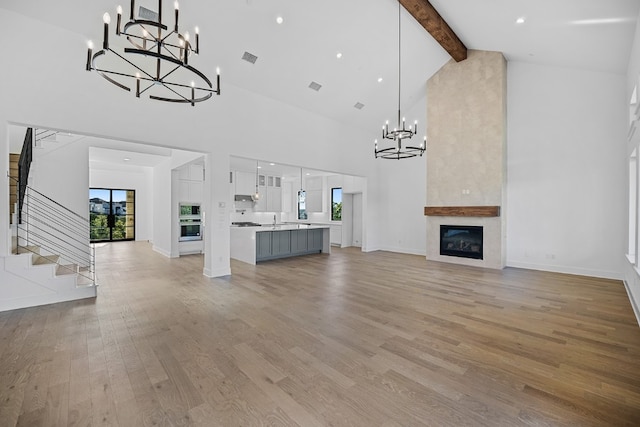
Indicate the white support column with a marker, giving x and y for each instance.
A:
(217, 217)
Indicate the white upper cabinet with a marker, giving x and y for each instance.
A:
(245, 183)
(314, 189)
(190, 183)
(274, 194)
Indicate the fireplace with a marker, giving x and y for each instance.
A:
(461, 240)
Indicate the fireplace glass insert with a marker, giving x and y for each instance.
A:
(461, 241)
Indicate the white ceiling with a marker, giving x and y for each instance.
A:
(590, 34)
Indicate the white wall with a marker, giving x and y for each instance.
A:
(163, 209)
(566, 170)
(140, 179)
(401, 193)
(69, 164)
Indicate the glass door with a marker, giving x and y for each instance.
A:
(111, 214)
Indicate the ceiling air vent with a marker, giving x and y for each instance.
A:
(315, 86)
(359, 105)
(249, 57)
(148, 15)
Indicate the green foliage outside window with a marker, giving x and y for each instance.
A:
(336, 212)
(336, 204)
(100, 230)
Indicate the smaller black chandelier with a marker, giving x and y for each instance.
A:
(158, 60)
(396, 150)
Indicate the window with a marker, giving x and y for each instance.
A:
(111, 214)
(302, 204)
(336, 204)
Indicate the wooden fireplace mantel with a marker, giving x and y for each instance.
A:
(478, 211)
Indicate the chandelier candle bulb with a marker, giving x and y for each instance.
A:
(119, 19)
(218, 79)
(89, 54)
(177, 6)
(187, 48)
(107, 19)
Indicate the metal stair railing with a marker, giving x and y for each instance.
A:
(48, 227)
(24, 165)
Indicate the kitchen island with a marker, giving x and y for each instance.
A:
(267, 242)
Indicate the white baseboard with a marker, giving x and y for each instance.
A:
(614, 275)
(633, 302)
(222, 272)
(161, 251)
(408, 251)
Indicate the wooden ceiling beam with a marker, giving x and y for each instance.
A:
(431, 20)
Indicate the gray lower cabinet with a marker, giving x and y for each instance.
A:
(287, 243)
(280, 243)
(314, 238)
(298, 241)
(263, 245)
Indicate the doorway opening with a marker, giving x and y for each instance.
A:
(112, 215)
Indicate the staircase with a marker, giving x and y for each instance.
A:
(13, 184)
(52, 259)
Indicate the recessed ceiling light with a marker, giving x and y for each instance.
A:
(272, 164)
(520, 20)
(307, 174)
(339, 55)
(126, 159)
(379, 79)
(279, 20)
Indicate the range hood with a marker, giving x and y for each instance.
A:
(243, 198)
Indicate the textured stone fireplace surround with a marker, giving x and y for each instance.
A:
(466, 151)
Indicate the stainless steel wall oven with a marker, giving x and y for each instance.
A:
(190, 222)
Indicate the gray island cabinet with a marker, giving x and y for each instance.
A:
(255, 244)
(275, 244)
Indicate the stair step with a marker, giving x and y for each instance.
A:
(41, 260)
(64, 269)
(28, 249)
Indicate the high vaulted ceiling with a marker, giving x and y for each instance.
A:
(589, 34)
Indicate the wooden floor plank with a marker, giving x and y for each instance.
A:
(347, 339)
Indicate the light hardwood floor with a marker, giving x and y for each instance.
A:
(347, 339)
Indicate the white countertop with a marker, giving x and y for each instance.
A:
(280, 227)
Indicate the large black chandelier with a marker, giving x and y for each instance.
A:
(156, 61)
(396, 150)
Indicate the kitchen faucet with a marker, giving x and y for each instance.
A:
(274, 220)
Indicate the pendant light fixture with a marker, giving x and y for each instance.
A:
(301, 192)
(256, 196)
(157, 59)
(396, 150)
(302, 200)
